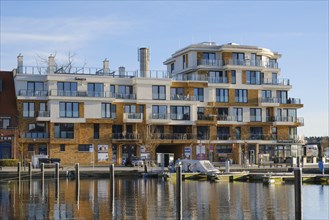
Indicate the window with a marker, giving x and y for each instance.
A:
(159, 92)
(159, 111)
(198, 93)
(241, 95)
(274, 78)
(4, 123)
(28, 110)
(218, 77)
(292, 133)
(172, 67)
(180, 112)
(35, 88)
(177, 93)
(238, 58)
(222, 114)
(96, 131)
(96, 89)
(254, 77)
(238, 113)
(238, 133)
(125, 92)
(64, 130)
(233, 76)
(200, 113)
(256, 60)
(62, 147)
(30, 147)
(282, 96)
(108, 110)
(255, 114)
(67, 88)
(130, 108)
(272, 63)
(69, 109)
(267, 96)
(112, 90)
(84, 147)
(208, 56)
(185, 61)
(222, 95)
(223, 133)
(203, 132)
(256, 133)
(43, 106)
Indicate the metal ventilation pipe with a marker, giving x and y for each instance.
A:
(20, 63)
(122, 71)
(144, 58)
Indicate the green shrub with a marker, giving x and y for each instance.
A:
(8, 162)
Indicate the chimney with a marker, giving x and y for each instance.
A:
(106, 66)
(20, 63)
(51, 64)
(144, 59)
(122, 72)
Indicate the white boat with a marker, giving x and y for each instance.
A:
(198, 166)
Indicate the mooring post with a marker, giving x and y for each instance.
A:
(298, 194)
(19, 171)
(298, 161)
(112, 192)
(30, 170)
(57, 180)
(57, 170)
(77, 175)
(179, 191)
(42, 167)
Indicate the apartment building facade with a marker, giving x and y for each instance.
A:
(214, 102)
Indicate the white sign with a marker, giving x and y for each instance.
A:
(103, 154)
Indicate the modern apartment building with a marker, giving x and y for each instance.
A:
(8, 116)
(214, 102)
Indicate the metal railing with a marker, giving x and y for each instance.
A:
(202, 117)
(36, 135)
(180, 117)
(226, 118)
(217, 79)
(255, 63)
(269, 100)
(160, 116)
(125, 136)
(183, 97)
(207, 62)
(173, 136)
(134, 115)
(43, 114)
(34, 93)
(282, 82)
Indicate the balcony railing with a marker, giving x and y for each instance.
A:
(294, 101)
(34, 93)
(202, 117)
(36, 135)
(281, 82)
(43, 114)
(125, 136)
(183, 97)
(160, 116)
(125, 96)
(269, 100)
(180, 117)
(64, 134)
(255, 63)
(226, 118)
(207, 62)
(289, 119)
(189, 77)
(218, 80)
(172, 136)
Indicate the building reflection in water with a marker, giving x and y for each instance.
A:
(151, 198)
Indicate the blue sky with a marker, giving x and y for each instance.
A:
(95, 30)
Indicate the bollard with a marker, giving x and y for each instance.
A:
(298, 161)
(112, 192)
(77, 183)
(298, 194)
(19, 171)
(57, 170)
(42, 166)
(179, 191)
(30, 171)
(145, 166)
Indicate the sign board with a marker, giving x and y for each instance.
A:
(91, 148)
(103, 154)
(200, 152)
(187, 152)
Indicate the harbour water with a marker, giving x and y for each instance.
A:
(138, 198)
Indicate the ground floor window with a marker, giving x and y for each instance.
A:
(114, 153)
(128, 151)
(223, 152)
(83, 147)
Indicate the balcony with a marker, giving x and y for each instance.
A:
(183, 97)
(64, 134)
(132, 117)
(289, 120)
(36, 135)
(251, 63)
(126, 136)
(269, 101)
(277, 82)
(125, 96)
(207, 62)
(180, 117)
(228, 119)
(218, 80)
(33, 93)
(202, 117)
(43, 116)
(189, 77)
(173, 136)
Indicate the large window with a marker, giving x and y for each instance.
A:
(180, 112)
(198, 93)
(208, 56)
(64, 130)
(130, 108)
(256, 133)
(96, 89)
(185, 61)
(222, 95)
(218, 77)
(96, 131)
(241, 95)
(203, 132)
(28, 110)
(282, 96)
(238, 58)
(35, 88)
(254, 77)
(67, 88)
(255, 114)
(255, 60)
(159, 111)
(233, 76)
(238, 113)
(125, 92)
(84, 147)
(177, 93)
(222, 114)
(238, 133)
(108, 110)
(4, 123)
(223, 133)
(159, 92)
(172, 67)
(69, 109)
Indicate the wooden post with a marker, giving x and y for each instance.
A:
(298, 194)
(30, 171)
(77, 183)
(179, 191)
(42, 166)
(298, 161)
(19, 171)
(112, 190)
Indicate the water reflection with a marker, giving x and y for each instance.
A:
(153, 198)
